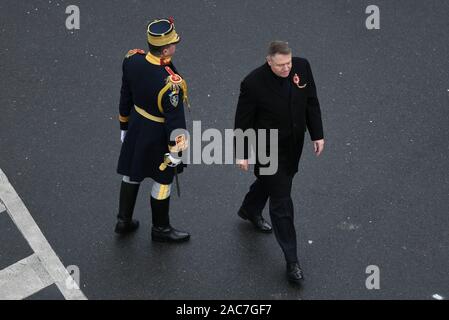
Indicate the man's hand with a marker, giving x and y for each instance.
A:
(122, 135)
(243, 164)
(318, 146)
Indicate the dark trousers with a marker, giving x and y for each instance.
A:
(277, 188)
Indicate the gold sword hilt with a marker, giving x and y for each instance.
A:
(164, 164)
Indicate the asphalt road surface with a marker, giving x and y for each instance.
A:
(378, 195)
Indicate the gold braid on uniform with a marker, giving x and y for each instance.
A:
(178, 82)
(186, 97)
(133, 52)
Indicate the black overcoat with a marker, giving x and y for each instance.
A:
(263, 104)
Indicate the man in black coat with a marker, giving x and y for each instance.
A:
(279, 95)
(151, 112)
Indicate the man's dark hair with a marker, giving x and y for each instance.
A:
(280, 47)
(156, 51)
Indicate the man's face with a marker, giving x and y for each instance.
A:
(280, 64)
(169, 51)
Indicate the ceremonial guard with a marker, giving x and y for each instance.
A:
(151, 115)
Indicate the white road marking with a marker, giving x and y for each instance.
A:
(43, 251)
(23, 279)
(437, 297)
(2, 208)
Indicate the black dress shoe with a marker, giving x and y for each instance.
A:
(258, 222)
(294, 272)
(168, 234)
(124, 227)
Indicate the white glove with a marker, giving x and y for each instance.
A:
(123, 134)
(173, 161)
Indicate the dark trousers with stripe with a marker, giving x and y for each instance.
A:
(277, 188)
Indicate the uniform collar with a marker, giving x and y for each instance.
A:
(157, 60)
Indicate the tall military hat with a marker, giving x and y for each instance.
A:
(162, 32)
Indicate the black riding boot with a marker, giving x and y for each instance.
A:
(162, 231)
(128, 195)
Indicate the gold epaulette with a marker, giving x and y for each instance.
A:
(173, 78)
(133, 52)
(177, 82)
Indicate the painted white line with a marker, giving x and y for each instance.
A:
(23, 279)
(35, 238)
(437, 297)
(2, 207)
